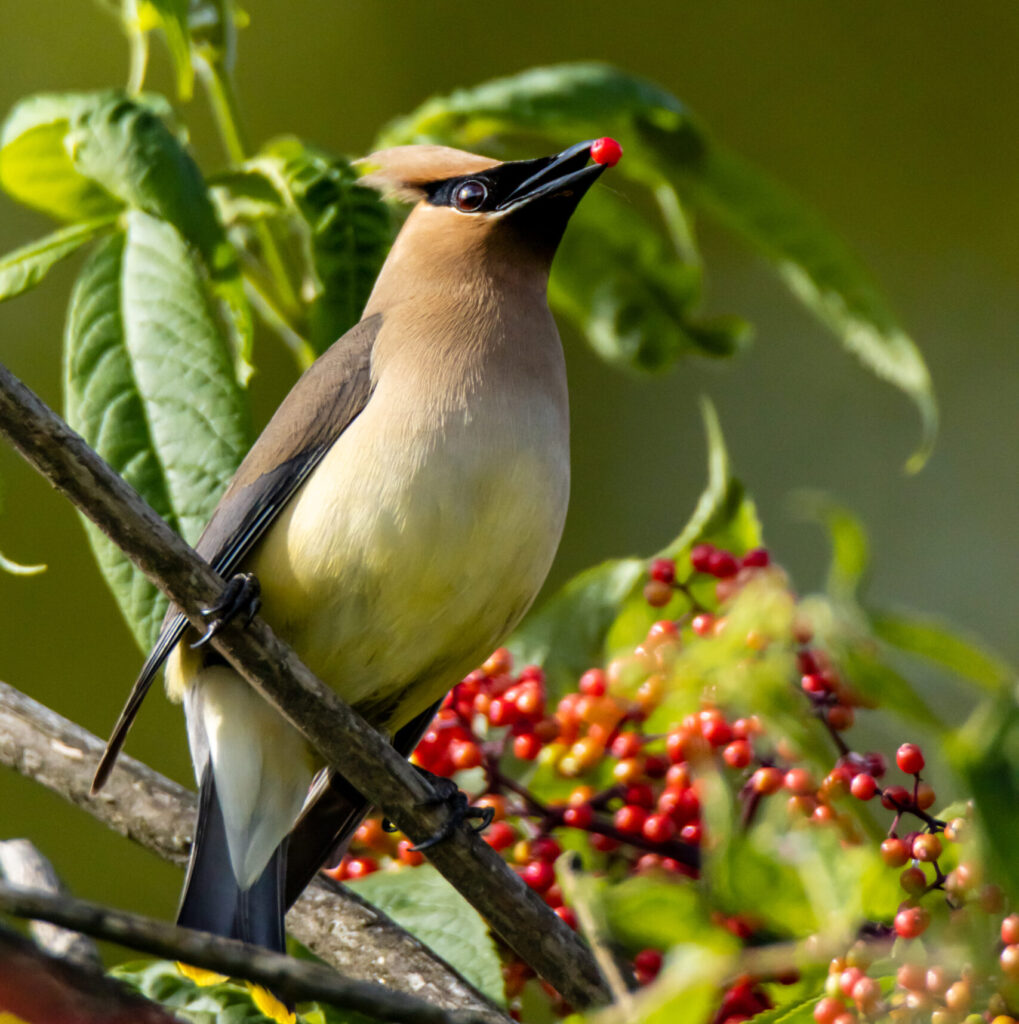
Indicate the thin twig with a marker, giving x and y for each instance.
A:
(343, 739)
(299, 980)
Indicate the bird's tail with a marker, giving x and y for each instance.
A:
(213, 901)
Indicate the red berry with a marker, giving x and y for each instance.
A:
(538, 875)
(925, 796)
(580, 816)
(526, 746)
(630, 818)
(606, 151)
(840, 717)
(663, 570)
(700, 557)
(1010, 930)
(646, 964)
(407, 856)
(767, 780)
(464, 754)
(927, 847)
(738, 754)
(657, 594)
(641, 794)
(874, 764)
(866, 994)
(895, 798)
(911, 921)
(717, 731)
(626, 744)
(895, 852)
(703, 624)
(659, 828)
(1009, 961)
(909, 758)
(593, 683)
(827, 1009)
(758, 558)
(500, 835)
(567, 916)
(814, 683)
(692, 833)
(361, 867)
(913, 880)
(545, 848)
(863, 786)
(502, 712)
(798, 781)
(722, 565)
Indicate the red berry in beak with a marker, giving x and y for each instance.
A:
(606, 151)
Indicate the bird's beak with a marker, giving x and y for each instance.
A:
(566, 174)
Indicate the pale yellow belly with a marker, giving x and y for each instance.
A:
(394, 571)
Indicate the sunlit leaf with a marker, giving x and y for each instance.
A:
(17, 569)
(149, 385)
(619, 279)
(425, 904)
(944, 645)
(346, 230)
(664, 144)
(24, 268)
(35, 167)
(124, 146)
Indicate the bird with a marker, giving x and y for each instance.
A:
(394, 521)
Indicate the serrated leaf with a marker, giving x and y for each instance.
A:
(346, 229)
(35, 167)
(664, 144)
(149, 385)
(25, 267)
(618, 278)
(125, 147)
(425, 904)
(943, 645)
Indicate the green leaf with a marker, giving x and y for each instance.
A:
(664, 145)
(985, 753)
(24, 268)
(814, 262)
(648, 911)
(17, 569)
(850, 549)
(127, 148)
(799, 1011)
(36, 168)
(425, 904)
(346, 231)
(943, 645)
(228, 1002)
(601, 610)
(171, 17)
(618, 278)
(149, 385)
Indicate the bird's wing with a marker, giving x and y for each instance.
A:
(323, 403)
(333, 811)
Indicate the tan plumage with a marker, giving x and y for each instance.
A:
(401, 511)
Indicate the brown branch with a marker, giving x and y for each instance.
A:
(344, 740)
(158, 814)
(298, 980)
(21, 864)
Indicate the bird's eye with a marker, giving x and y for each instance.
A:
(469, 196)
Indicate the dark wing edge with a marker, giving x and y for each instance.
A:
(333, 812)
(329, 396)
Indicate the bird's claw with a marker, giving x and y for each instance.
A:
(241, 595)
(447, 792)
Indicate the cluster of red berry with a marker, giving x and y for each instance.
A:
(636, 795)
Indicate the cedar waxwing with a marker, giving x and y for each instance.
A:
(400, 513)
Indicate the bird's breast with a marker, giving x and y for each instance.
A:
(417, 544)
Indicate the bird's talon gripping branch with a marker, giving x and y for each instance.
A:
(241, 595)
(447, 792)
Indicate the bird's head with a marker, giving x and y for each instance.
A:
(466, 200)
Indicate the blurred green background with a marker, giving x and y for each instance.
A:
(894, 120)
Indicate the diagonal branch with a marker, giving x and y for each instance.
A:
(159, 815)
(298, 980)
(343, 739)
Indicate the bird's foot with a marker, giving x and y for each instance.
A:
(448, 793)
(242, 595)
